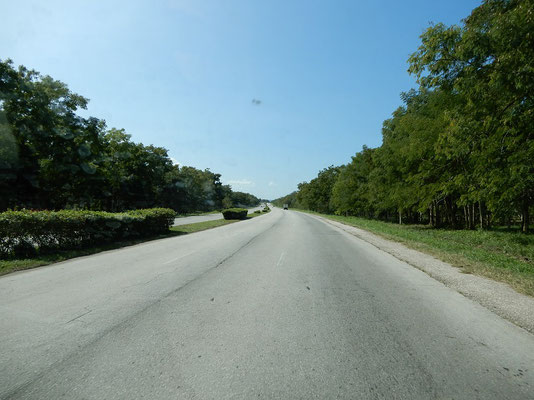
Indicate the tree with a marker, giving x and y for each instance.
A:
(462, 144)
(490, 61)
(316, 194)
(240, 199)
(350, 193)
(57, 149)
(52, 158)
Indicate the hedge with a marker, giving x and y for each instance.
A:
(235, 213)
(26, 232)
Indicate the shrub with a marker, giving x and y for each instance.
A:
(235, 213)
(24, 233)
(24, 249)
(266, 209)
(155, 220)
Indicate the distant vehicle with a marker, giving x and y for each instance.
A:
(285, 207)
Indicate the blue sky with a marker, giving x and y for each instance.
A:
(183, 74)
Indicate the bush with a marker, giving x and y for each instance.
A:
(235, 213)
(24, 233)
(155, 220)
(266, 209)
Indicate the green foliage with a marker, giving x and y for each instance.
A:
(240, 199)
(26, 232)
(489, 61)
(316, 194)
(227, 202)
(460, 151)
(351, 194)
(51, 158)
(52, 153)
(135, 175)
(235, 213)
(290, 199)
(189, 189)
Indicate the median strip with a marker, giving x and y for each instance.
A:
(22, 263)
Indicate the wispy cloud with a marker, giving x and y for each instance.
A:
(242, 182)
(271, 183)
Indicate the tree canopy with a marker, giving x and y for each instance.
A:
(51, 158)
(460, 150)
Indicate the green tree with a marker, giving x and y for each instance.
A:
(350, 193)
(57, 150)
(490, 61)
(316, 194)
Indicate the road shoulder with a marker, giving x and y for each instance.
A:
(496, 296)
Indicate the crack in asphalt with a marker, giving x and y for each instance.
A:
(79, 316)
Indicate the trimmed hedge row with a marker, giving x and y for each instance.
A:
(235, 213)
(26, 233)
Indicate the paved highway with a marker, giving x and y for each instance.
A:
(282, 306)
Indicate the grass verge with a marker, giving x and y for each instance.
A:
(198, 213)
(12, 265)
(201, 226)
(497, 254)
(257, 213)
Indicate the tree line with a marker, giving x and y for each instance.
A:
(52, 158)
(459, 152)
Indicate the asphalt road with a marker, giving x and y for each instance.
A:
(202, 218)
(283, 306)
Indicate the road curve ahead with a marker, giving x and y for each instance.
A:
(282, 306)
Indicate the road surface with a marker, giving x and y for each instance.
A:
(203, 218)
(283, 306)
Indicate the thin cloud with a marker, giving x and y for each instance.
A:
(242, 182)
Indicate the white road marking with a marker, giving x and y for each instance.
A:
(281, 259)
(177, 258)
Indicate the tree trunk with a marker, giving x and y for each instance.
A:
(525, 217)
(449, 211)
(454, 209)
(400, 217)
(481, 213)
(446, 211)
(472, 217)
